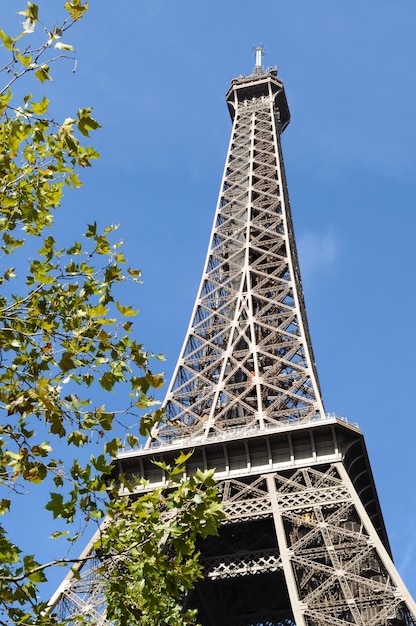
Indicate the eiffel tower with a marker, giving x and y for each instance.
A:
(304, 540)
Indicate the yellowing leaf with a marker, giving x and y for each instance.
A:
(76, 9)
(134, 272)
(58, 534)
(127, 311)
(40, 107)
(42, 73)
(67, 126)
(8, 42)
(86, 122)
(4, 506)
(155, 380)
(183, 457)
(31, 11)
(25, 60)
(4, 100)
(8, 274)
(78, 438)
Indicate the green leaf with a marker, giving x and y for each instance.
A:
(57, 534)
(107, 381)
(5, 99)
(92, 230)
(76, 9)
(183, 457)
(101, 465)
(155, 380)
(112, 447)
(134, 272)
(78, 438)
(4, 505)
(11, 243)
(37, 577)
(102, 245)
(132, 440)
(55, 504)
(42, 73)
(97, 311)
(25, 60)
(85, 122)
(8, 274)
(127, 311)
(31, 12)
(41, 107)
(41, 450)
(205, 477)
(75, 573)
(8, 42)
(149, 420)
(66, 363)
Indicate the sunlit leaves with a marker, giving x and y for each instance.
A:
(160, 565)
(76, 8)
(66, 338)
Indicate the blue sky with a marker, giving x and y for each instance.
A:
(156, 73)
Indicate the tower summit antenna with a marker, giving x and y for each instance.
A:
(259, 52)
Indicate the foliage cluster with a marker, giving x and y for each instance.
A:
(65, 339)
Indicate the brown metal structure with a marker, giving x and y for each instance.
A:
(304, 540)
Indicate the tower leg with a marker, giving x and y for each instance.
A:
(296, 604)
(299, 548)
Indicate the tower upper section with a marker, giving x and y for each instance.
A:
(247, 362)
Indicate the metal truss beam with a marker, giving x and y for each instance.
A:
(303, 543)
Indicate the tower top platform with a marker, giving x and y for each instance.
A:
(261, 84)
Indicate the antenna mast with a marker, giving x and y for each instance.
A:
(259, 52)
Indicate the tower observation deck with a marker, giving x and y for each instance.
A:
(304, 540)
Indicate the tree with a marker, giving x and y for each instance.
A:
(65, 338)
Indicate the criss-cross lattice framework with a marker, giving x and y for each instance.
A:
(247, 359)
(80, 598)
(335, 566)
(304, 541)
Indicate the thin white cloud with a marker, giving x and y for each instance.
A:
(317, 252)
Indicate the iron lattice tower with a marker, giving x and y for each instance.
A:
(304, 540)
